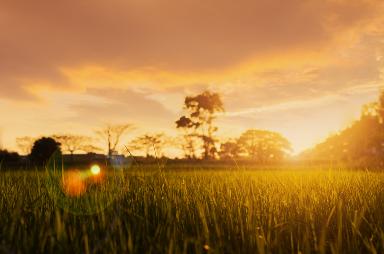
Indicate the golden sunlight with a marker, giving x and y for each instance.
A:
(141, 126)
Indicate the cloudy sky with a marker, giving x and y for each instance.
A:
(300, 67)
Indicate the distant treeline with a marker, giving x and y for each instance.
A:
(197, 140)
(362, 143)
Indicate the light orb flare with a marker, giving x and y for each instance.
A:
(95, 169)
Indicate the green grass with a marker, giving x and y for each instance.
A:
(215, 211)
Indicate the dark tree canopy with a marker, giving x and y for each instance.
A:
(43, 149)
(184, 122)
(204, 103)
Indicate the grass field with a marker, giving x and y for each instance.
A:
(197, 211)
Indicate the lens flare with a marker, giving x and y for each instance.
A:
(73, 184)
(89, 190)
(95, 169)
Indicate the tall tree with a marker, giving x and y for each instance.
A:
(72, 143)
(264, 146)
(111, 134)
(190, 137)
(201, 111)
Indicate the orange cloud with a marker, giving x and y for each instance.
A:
(41, 38)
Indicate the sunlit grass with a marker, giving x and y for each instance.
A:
(242, 211)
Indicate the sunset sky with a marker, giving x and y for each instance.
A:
(300, 67)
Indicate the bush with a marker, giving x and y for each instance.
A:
(43, 149)
(9, 158)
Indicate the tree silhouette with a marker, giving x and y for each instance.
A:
(43, 149)
(201, 111)
(72, 143)
(111, 134)
(190, 141)
(150, 142)
(264, 146)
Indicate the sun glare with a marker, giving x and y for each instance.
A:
(73, 183)
(95, 169)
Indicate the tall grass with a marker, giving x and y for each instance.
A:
(291, 211)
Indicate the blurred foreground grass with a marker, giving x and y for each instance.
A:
(220, 211)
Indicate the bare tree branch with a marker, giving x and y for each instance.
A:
(111, 134)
